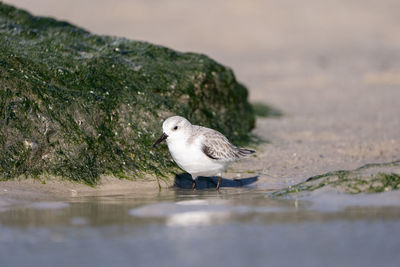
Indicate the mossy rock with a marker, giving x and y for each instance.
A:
(370, 178)
(78, 105)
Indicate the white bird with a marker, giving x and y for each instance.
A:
(198, 150)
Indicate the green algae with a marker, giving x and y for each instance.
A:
(370, 178)
(262, 110)
(78, 105)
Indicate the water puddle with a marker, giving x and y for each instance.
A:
(180, 227)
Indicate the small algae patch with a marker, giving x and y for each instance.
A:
(262, 110)
(77, 105)
(385, 182)
(371, 178)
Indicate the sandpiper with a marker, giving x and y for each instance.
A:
(198, 150)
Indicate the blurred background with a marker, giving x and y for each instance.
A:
(259, 39)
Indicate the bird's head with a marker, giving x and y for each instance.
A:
(175, 128)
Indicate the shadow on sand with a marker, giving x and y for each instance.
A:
(184, 181)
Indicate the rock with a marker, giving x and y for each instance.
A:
(371, 178)
(78, 105)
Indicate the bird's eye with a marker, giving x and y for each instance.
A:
(175, 128)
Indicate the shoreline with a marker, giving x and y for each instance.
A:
(23, 190)
(53, 188)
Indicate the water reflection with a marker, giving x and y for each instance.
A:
(205, 207)
(48, 205)
(184, 181)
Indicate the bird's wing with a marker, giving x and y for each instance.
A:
(217, 147)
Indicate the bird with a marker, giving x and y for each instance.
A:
(199, 150)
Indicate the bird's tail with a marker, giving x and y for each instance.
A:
(245, 152)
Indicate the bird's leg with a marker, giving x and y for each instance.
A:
(219, 182)
(194, 185)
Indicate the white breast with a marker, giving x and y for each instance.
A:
(192, 159)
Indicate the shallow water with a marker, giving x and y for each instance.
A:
(178, 227)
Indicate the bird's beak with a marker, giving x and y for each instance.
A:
(162, 138)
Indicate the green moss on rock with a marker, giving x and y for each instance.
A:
(78, 105)
(370, 178)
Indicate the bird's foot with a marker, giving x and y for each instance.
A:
(219, 183)
(194, 185)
